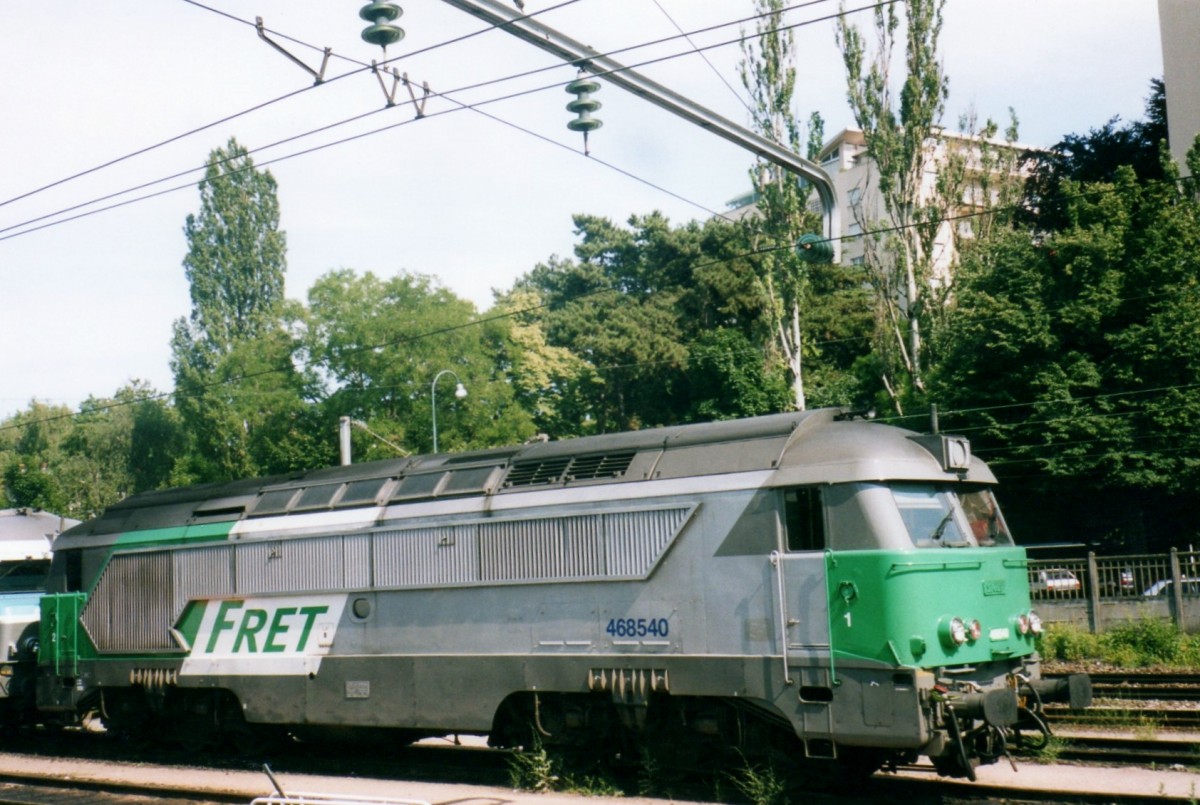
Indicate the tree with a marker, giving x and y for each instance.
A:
(1075, 357)
(238, 392)
(31, 487)
(1095, 157)
(80, 462)
(235, 262)
(768, 73)
(897, 133)
(381, 342)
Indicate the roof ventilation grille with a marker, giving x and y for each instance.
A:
(604, 465)
(534, 473)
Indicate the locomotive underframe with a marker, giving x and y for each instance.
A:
(609, 700)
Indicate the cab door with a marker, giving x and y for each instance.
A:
(802, 634)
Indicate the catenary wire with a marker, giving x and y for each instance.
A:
(362, 67)
(443, 94)
(259, 106)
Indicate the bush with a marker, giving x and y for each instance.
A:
(1133, 644)
(1152, 642)
(1068, 643)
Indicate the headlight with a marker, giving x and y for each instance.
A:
(953, 632)
(1022, 625)
(974, 630)
(1035, 623)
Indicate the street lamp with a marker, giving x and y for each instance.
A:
(460, 391)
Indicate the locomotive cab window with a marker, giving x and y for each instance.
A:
(24, 575)
(940, 516)
(804, 519)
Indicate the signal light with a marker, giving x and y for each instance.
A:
(974, 630)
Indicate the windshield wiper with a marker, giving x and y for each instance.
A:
(937, 532)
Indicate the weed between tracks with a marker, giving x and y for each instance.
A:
(541, 770)
(537, 769)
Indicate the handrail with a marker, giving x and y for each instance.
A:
(781, 590)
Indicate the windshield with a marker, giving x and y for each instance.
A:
(939, 516)
(23, 575)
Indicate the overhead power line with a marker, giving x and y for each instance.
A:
(362, 67)
(26, 228)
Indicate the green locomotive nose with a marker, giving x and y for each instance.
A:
(930, 607)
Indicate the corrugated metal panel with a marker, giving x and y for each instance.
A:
(130, 608)
(583, 544)
(635, 540)
(201, 573)
(357, 561)
(289, 565)
(423, 556)
(141, 595)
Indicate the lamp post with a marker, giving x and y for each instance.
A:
(460, 391)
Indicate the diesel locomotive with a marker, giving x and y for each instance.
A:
(809, 587)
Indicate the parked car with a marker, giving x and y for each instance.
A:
(1162, 587)
(1118, 582)
(1054, 580)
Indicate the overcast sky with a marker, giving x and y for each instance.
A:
(86, 306)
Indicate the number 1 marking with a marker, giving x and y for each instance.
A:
(848, 622)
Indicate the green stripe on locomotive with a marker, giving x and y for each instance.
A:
(896, 607)
(175, 535)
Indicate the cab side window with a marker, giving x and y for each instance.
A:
(804, 518)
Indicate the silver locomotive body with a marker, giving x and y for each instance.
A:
(664, 588)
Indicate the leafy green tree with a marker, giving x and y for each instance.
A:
(241, 399)
(729, 379)
(381, 343)
(31, 487)
(626, 308)
(768, 72)
(236, 260)
(30, 442)
(549, 381)
(94, 457)
(1095, 157)
(1074, 360)
(896, 131)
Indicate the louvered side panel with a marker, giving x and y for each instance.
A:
(130, 609)
(297, 565)
(636, 540)
(530, 549)
(583, 547)
(357, 560)
(201, 573)
(425, 556)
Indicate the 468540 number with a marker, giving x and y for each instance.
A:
(638, 627)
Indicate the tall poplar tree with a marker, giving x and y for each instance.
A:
(768, 72)
(235, 262)
(897, 133)
(241, 400)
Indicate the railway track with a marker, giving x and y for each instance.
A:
(1136, 701)
(1126, 751)
(170, 785)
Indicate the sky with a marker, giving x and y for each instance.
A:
(475, 197)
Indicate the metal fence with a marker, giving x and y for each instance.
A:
(1098, 592)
